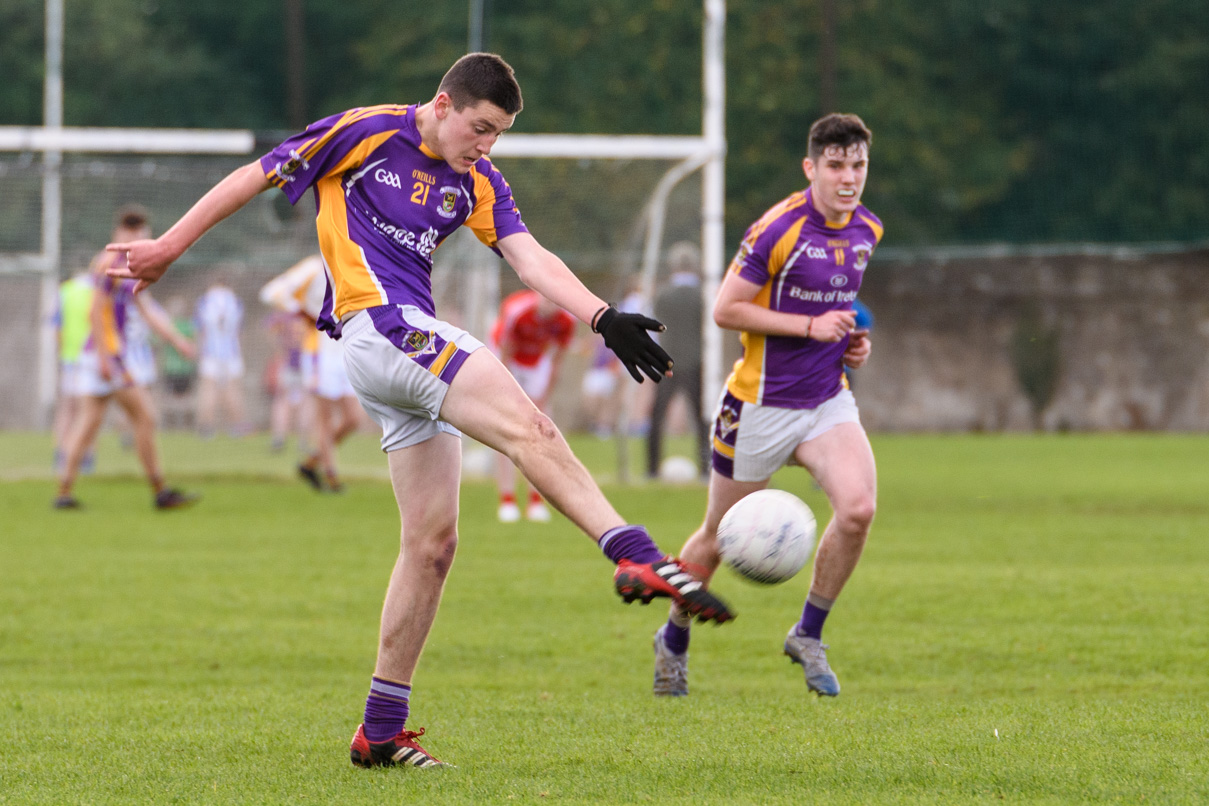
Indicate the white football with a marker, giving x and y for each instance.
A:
(767, 536)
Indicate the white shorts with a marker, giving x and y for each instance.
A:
(599, 382)
(535, 380)
(751, 442)
(89, 382)
(69, 379)
(328, 379)
(220, 368)
(401, 361)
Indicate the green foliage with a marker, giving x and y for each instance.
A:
(1019, 120)
(1026, 625)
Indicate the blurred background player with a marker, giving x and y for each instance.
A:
(789, 292)
(283, 383)
(220, 367)
(598, 389)
(530, 337)
(105, 376)
(72, 321)
(180, 371)
(678, 306)
(336, 412)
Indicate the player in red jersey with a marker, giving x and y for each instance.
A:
(530, 336)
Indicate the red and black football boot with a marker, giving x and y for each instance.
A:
(402, 750)
(669, 578)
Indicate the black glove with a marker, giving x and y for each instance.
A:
(626, 335)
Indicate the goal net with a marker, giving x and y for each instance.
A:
(591, 211)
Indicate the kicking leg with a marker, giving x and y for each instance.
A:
(485, 402)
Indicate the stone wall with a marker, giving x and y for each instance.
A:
(1094, 342)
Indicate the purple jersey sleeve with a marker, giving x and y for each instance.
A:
(333, 144)
(494, 215)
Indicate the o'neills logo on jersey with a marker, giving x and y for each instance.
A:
(862, 253)
(449, 201)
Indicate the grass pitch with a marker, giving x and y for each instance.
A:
(1028, 624)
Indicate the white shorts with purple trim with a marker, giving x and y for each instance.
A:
(751, 442)
(400, 362)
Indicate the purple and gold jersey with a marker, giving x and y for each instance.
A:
(117, 298)
(385, 202)
(806, 266)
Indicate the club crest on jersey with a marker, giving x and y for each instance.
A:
(419, 343)
(728, 421)
(449, 201)
(862, 253)
(295, 162)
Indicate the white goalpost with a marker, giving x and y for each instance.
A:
(687, 155)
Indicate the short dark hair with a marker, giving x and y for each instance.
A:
(835, 129)
(482, 77)
(132, 216)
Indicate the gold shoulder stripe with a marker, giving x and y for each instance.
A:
(776, 211)
(784, 245)
(878, 229)
(310, 148)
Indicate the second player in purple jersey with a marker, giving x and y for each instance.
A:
(790, 293)
(805, 265)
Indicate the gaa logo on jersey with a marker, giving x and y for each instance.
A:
(449, 201)
(388, 178)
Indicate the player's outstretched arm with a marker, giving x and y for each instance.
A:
(148, 260)
(626, 334)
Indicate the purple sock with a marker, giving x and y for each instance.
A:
(629, 543)
(675, 637)
(386, 709)
(813, 617)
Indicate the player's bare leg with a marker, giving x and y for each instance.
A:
(485, 402)
(841, 460)
(232, 400)
(425, 479)
(207, 405)
(81, 436)
(136, 403)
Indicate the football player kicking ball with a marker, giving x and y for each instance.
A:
(789, 292)
(390, 184)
